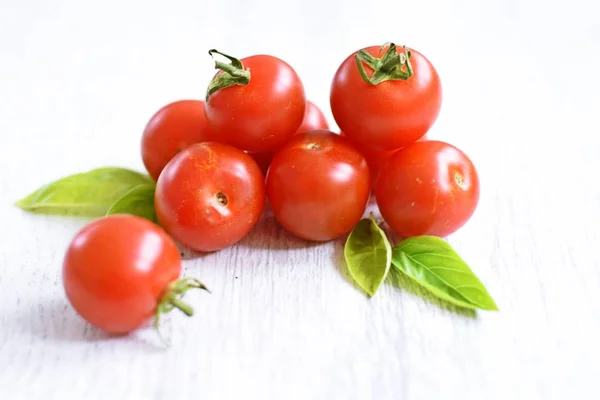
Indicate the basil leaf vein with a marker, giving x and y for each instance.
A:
(368, 255)
(434, 264)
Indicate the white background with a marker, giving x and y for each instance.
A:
(78, 82)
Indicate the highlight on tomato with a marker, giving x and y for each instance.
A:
(255, 103)
(121, 271)
(171, 129)
(384, 98)
(427, 188)
(210, 196)
(318, 186)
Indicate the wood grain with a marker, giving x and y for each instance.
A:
(284, 321)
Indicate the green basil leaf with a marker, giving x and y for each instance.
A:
(433, 263)
(88, 194)
(138, 201)
(368, 255)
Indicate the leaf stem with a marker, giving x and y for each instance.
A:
(231, 75)
(391, 66)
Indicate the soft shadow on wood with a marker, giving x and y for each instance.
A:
(339, 261)
(55, 320)
(269, 234)
(405, 284)
(266, 234)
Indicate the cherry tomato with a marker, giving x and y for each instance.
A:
(263, 160)
(427, 188)
(170, 130)
(119, 270)
(392, 113)
(313, 118)
(210, 196)
(318, 186)
(376, 160)
(261, 111)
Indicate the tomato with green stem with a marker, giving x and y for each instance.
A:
(120, 271)
(210, 196)
(383, 98)
(427, 188)
(318, 186)
(171, 129)
(255, 103)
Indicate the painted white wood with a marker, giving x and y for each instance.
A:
(79, 80)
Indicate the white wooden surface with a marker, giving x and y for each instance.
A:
(78, 81)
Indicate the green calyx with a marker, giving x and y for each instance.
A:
(172, 298)
(233, 74)
(391, 66)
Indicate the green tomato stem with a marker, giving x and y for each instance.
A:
(172, 298)
(391, 66)
(232, 74)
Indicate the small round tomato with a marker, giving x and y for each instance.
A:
(314, 118)
(427, 188)
(210, 196)
(170, 130)
(256, 103)
(376, 160)
(263, 160)
(385, 99)
(120, 271)
(318, 186)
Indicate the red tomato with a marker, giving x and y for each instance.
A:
(260, 113)
(376, 160)
(170, 130)
(318, 186)
(427, 188)
(210, 196)
(118, 270)
(313, 118)
(390, 114)
(263, 160)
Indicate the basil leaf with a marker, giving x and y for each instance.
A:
(89, 193)
(138, 201)
(433, 263)
(368, 255)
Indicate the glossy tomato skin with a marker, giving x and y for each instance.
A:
(261, 116)
(318, 186)
(171, 129)
(427, 188)
(391, 114)
(376, 160)
(210, 196)
(314, 119)
(116, 269)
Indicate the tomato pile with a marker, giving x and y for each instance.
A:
(318, 182)
(255, 140)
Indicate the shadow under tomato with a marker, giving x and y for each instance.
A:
(55, 320)
(269, 234)
(405, 284)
